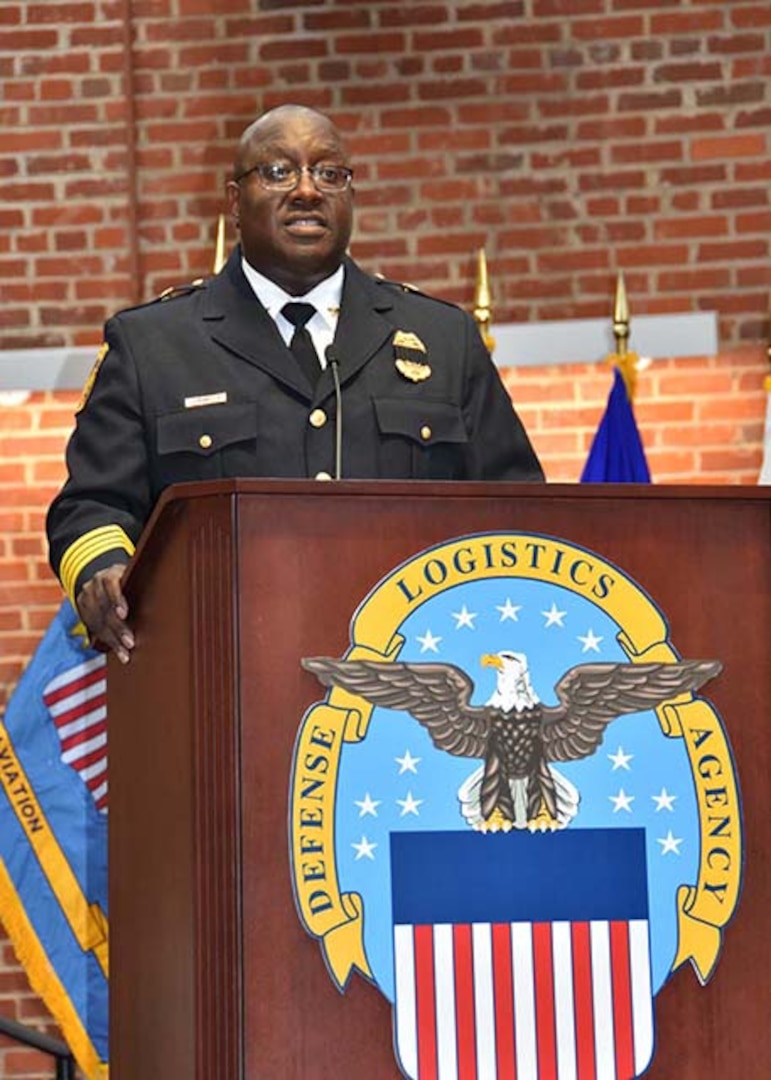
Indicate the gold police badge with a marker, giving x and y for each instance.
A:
(411, 357)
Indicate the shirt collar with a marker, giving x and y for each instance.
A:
(325, 296)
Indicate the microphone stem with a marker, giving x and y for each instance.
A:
(338, 420)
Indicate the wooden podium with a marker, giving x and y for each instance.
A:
(212, 976)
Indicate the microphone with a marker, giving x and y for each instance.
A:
(333, 361)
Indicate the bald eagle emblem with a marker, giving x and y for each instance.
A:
(517, 737)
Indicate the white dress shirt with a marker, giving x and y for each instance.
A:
(325, 297)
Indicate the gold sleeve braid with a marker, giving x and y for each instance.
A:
(87, 547)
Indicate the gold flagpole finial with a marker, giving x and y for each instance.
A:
(220, 257)
(621, 317)
(625, 361)
(482, 301)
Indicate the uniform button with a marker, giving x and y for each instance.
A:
(322, 476)
(425, 432)
(318, 418)
(205, 442)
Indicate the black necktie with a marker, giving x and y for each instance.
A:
(301, 344)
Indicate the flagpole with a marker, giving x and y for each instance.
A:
(220, 255)
(483, 310)
(765, 471)
(624, 360)
(617, 454)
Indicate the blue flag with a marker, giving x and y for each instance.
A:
(617, 454)
(53, 835)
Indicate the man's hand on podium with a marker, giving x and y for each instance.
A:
(104, 610)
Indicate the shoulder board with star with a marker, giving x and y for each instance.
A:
(413, 290)
(402, 286)
(175, 291)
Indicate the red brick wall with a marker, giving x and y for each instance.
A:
(571, 138)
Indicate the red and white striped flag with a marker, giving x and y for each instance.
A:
(77, 703)
(524, 1001)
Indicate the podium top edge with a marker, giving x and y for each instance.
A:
(177, 495)
(422, 489)
(462, 488)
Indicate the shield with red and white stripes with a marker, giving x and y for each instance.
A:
(77, 703)
(521, 957)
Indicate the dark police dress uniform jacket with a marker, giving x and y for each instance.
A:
(201, 386)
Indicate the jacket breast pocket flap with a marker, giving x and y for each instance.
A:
(207, 429)
(423, 422)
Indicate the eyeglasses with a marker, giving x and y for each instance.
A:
(278, 176)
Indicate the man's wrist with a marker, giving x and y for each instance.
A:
(94, 551)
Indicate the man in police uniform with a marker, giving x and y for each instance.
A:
(233, 377)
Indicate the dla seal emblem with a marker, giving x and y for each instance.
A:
(514, 812)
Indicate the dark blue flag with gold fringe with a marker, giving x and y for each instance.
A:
(617, 454)
(53, 835)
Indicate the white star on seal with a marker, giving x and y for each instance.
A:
(365, 849)
(464, 617)
(554, 617)
(429, 643)
(509, 610)
(620, 759)
(410, 805)
(622, 801)
(664, 801)
(408, 763)
(590, 641)
(367, 805)
(670, 843)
